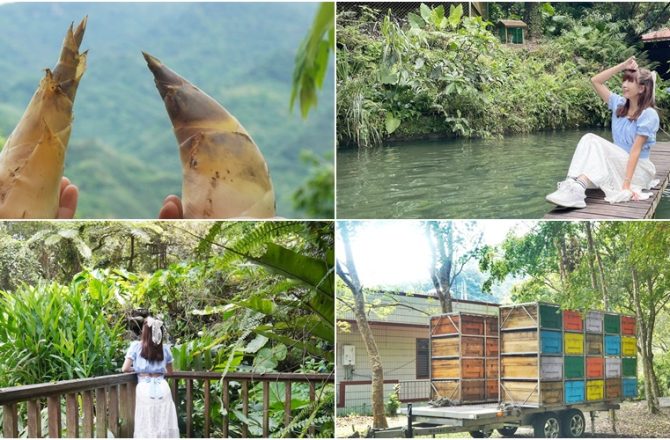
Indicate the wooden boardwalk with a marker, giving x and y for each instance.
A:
(598, 208)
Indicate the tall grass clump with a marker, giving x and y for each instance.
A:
(51, 332)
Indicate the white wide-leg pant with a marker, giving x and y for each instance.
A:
(604, 164)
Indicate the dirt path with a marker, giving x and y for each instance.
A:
(632, 421)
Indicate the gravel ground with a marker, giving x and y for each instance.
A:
(633, 420)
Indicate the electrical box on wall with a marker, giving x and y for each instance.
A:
(348, 355)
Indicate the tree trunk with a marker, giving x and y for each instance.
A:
(442, 261)
(652, 401)
(350, 278)
(533, 18)
(601, 271)
(132, 253)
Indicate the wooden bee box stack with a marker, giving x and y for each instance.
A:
(464, 357)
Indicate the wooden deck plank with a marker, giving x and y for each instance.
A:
(598, 208)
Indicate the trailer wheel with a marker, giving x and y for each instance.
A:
(507, 431)
(547, 425)
(573, 423)
(486, 433)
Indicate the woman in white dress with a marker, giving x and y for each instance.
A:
(622, 168)
(155, 413)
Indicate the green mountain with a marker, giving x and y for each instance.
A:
(122, 152)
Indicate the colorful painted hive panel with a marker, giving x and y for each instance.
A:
(612, 345)
(574, 343)
(594, 322)
(574, 391)
(572, 321)
(612, 323)
(595, 367)
(628, 326)
(595, 389)
(628, 346)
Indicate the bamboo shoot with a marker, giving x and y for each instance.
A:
(224, 172)
(33, 158)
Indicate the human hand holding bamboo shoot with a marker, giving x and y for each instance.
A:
(33, 158)
(224, 172)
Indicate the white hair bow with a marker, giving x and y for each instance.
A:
(156, 332)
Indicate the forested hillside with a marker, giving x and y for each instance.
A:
(122, 152)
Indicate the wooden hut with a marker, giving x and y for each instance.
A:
(657, 45)
(511, 31)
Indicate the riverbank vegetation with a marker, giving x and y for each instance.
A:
(235, 297)
(441, 73)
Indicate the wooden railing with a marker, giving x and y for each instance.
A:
(108, 402)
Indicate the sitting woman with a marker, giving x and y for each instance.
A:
(621, 169)
(155, 413)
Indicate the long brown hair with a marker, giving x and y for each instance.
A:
(644, 78)
(150, 351)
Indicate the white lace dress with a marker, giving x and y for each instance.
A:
(604, 163)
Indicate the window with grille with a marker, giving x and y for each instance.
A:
(422, 358)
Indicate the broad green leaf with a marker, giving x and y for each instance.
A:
(455, 14)
(415, 21)
(256, 344)
(425, 12)
(392, 123)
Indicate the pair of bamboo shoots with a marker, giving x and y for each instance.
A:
(224, 172)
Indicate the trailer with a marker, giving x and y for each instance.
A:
(565, 421)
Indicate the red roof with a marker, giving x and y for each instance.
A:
(662, 34)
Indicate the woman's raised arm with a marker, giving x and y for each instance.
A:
(599, 80)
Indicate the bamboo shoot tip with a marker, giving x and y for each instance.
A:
(151, 60)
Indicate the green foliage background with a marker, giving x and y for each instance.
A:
(122, 153)
(444, 74)
(235, 296)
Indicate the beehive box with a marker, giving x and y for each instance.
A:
(531, 316)
(574, 367)
(612, 323)
(612, 389)
(460, 390)
(593, 323)
(572, 321)
(531, 393)
(595, 390)
(531, 341)
(593, 344)
(629, 387)
(574, 391)
(612, 368)
(526, 367)
(574, 343)
(628, 327)
(628, 346)
(464, 357)
(595, 367)
(629, 367)
(612, 345)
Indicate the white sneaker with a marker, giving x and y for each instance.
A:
(570, 194)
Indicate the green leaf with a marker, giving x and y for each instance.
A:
(415, 21)
(392, 123)
(256, 344)
(455, 15)
(425, 12)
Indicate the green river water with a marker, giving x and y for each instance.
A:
(476, 179)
